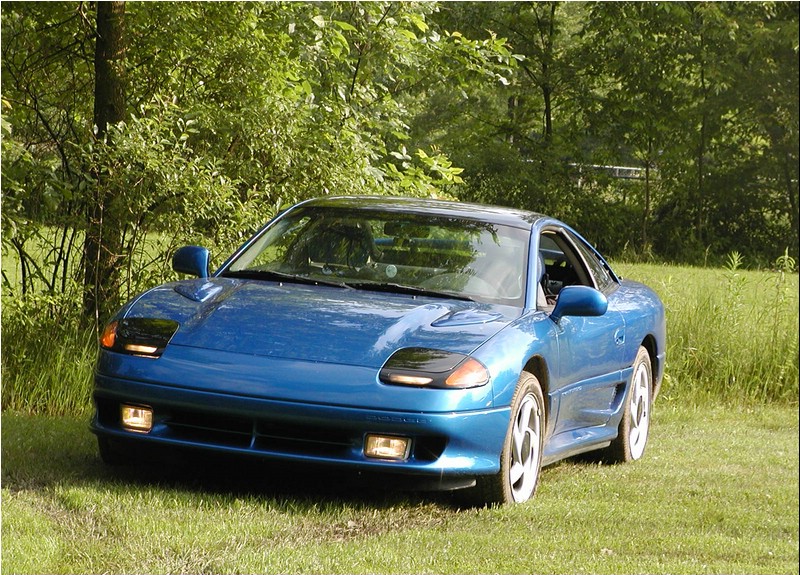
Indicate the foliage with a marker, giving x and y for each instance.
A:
(732, 333)
(235, 109)
(701, 97)
(689, 108)
(47, 361)
(283, 101)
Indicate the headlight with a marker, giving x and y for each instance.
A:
(422, 367)
(138, 335)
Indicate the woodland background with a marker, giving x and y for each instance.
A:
(130, 128)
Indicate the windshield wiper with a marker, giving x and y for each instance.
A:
(281, 276)
(370, 286)
(407, 289)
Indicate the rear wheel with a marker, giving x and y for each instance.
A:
(635, 425)
(521, 458)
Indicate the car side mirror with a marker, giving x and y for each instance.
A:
(579, 301)
(192, 260)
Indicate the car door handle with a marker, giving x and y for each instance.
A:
(619, 336)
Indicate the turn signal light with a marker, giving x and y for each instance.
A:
(109, 336)
(470, 373)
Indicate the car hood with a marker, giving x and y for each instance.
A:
(317, 323)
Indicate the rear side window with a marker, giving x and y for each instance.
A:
(597, 268)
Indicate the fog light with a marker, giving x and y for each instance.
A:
(387, 447)
(136, 418)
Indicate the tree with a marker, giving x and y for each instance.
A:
(212, 116)
(766, 75)
(511, 135)
(103, 242)
(634, 50)
(205, 119)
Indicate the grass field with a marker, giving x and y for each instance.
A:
(732, 334)
(717, 492)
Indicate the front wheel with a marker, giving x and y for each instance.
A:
(635, 425)
(521, 458)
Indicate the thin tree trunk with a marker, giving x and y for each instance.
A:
(102, 244)
(791, 196)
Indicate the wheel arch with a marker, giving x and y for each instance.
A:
(537, 366)
(650, 344)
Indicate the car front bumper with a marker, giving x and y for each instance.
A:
(459, 444)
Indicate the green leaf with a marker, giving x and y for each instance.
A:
(344, 26)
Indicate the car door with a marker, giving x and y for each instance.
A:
(587, 383)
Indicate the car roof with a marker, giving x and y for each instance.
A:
(493, 214)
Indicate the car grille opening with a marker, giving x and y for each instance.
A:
(265, 436)
(256, 434)
(207, 428)
(307, 440)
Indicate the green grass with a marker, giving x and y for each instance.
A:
(47, 362)
(732, 334)
(717, 492)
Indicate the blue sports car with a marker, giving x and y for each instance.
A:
(455, 345)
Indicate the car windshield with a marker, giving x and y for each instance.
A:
(391, 251)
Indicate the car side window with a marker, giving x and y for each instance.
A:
(563, 266)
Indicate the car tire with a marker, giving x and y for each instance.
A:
(521, 458)
(635, 425)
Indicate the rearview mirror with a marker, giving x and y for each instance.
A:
(579, 301)
(192, 260)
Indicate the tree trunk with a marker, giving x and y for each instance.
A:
(102, 244)
(789, 164)
(646, 210)
(547, 87)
